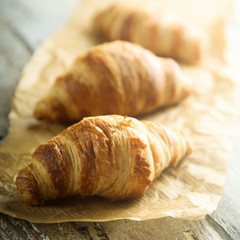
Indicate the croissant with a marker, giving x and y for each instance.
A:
(113, 78)
(161, 33)
(111, 156)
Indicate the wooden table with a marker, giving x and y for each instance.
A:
(23, 26)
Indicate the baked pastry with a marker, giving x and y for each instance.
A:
(113, 78)
(110, 156)
(161, 33)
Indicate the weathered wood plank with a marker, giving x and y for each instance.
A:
(62, 231)
(13, 228)
(227, 215)
(23, 25)
(13, 56)
(35, 20)
(165, 228)
(71, 230)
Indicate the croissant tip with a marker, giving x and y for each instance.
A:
(189, 147)
(31, 200)
(189, 144)
(40, 111)
(27, 187)
(50, 109)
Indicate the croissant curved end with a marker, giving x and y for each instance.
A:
(189, 147)
(26, 185)
(188, 143)
(51, 109)
(40, 109)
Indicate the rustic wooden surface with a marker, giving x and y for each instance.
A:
(23, 25)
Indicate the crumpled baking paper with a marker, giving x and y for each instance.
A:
(209, 116)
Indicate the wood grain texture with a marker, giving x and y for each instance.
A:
(164, 228)
(224, 223)
(12, 60)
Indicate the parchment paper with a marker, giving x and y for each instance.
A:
(209, 116)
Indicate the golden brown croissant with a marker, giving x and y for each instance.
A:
(114, 78)
(160, 33)
(110, 156)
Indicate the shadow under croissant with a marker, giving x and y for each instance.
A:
(159, 110)
(72, 208)
(43, 124)
(95, 208)
(86, 201)
(72, 201)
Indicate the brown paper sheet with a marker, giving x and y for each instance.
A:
(190, 190)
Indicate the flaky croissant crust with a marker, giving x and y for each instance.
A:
(114, 78)
(160, 32)
(110, 156)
